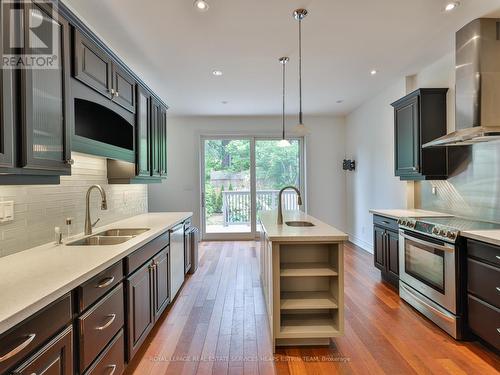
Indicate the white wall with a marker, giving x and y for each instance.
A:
(370, 142)
(324, 154)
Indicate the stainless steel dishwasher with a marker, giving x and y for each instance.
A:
(176, 258)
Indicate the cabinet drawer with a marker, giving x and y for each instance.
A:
(142, 255)
(23, 339)
(484, 281)
(484, 321)
(483, 251)
(54, 358)
(99, 285)
(112, 360)
(386, 222)
(98, 325)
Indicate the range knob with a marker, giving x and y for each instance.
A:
(400, 221)
(451, 235)
(442, 232)
(411, 224)
(435, 230)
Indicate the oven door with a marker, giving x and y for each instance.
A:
(428, 265)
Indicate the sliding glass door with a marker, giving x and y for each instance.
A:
(241, 177)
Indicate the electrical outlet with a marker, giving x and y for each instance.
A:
(6, 211)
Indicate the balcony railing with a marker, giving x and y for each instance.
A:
(236, 204)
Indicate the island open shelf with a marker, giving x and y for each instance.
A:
(303, 285)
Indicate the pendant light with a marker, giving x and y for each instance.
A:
(283, 142)
(300, 128)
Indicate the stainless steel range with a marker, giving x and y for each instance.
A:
(430, 267)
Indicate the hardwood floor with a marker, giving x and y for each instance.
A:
(218, 325)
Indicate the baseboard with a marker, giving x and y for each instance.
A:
(361, 243)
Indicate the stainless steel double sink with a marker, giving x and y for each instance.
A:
(109, 237)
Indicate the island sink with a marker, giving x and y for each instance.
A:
(299, 224)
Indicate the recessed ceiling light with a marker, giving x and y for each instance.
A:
(224, 102)
(217, 73)
(373, 72)
(201, 5)
(340, 101)
(450, 6)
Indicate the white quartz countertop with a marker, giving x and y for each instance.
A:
(284, 233)
(400, 213)
(34, 278)
(491, 236)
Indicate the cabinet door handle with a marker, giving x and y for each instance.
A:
(105, 282)
(498, 289)
(113, 369)
(108, 323)
(498, 330)
(498, 257)
(385, 222)
(18, 348)
(113, 92)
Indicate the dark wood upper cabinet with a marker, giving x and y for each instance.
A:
(6, 104)
(420, 117)
(155, 137)
(143, 133)
(92, 66)
(123, 91)
(45, 97)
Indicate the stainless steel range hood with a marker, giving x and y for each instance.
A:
(477, 85)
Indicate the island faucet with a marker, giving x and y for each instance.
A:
(104, 206)
(280, 209)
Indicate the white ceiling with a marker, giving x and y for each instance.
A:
(174, 48)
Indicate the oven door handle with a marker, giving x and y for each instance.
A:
(450, 249)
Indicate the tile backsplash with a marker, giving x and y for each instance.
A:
(40, 208)
(472, 189)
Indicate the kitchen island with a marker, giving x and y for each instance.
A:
(302, 274)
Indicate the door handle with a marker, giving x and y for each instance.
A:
(113, 369)
(18, 348)
(105, 282)
(108, 323)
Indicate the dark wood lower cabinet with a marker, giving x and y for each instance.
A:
(386, 249)
(379, 248)
(112, 359)
(392, 249)
(113, 318)
(161, 265)
(483, 293)
(140, 317)
(55, 358)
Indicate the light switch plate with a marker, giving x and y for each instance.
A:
(6, 211)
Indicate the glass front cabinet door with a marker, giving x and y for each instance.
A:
(45, 91)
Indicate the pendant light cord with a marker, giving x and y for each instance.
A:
(283, 115)
(300, 71)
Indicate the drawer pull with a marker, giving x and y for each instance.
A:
(385, 222)
(498, 257)
(498, 288)
(498, 330)
(113, 369)
(105, 282)
(108, 323)
(17, 349)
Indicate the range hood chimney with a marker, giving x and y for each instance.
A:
(477, 85)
